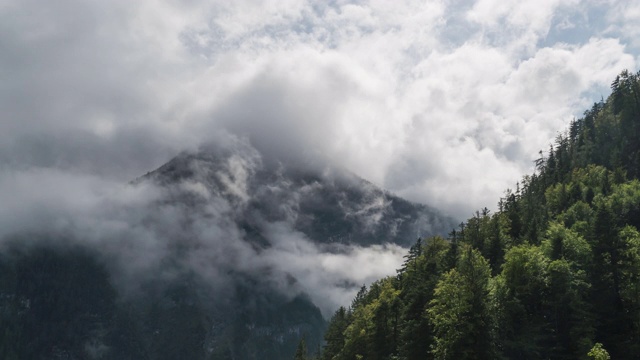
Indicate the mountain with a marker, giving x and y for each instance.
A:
(327, 204)
(216, 264)
(554, 274)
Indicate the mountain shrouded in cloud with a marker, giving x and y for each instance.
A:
(326, 204)
(439, 102)
(240, 252)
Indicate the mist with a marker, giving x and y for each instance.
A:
(442, 103)
(144, 238)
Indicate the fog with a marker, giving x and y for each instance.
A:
(143, 237)
(443, 103)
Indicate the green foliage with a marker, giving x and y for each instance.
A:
(563, 243)
(374, 331)
(418, 284)
(553, 272)
(570, 319)
(334, 336)
(447, 314)
(520, 290)
(598, 353)
(301, 350)
(577, 217)
(630, 283)
(458, 311)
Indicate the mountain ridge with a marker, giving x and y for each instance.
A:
(271, 190)
(226, 253)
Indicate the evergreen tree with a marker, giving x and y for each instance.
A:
(334, 336)
(417, 290)
(520, 292)
(459, 311)
(301, 350)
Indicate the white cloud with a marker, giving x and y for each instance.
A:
(240, 18)
(382, 81)
(624, 20)
(136, 231)
(443, 102)
(330, 276)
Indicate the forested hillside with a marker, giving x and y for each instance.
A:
(202, 269)
(553, 274)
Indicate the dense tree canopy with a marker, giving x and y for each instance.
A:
(554, 274)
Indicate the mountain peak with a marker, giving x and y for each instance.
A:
(326, 203)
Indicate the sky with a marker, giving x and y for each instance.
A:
(441, 102)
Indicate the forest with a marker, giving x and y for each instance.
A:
(554, 273)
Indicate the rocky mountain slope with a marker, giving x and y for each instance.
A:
(327, 204)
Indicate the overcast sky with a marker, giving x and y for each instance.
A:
(441, 102)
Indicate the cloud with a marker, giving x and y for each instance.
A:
(146, 233)
(123, 88)
(623, 17)
(330, 275)
(442, 102)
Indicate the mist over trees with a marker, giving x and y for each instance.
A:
(553, 274)
(222, 253)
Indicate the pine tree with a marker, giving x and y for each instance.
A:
(334, 336)
(301, 350)
(459, 311)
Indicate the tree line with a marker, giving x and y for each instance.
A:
(553, 274)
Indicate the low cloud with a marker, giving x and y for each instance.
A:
(147, 232)
(444, 103)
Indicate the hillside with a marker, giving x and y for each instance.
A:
(212, 262)
(554, 274)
